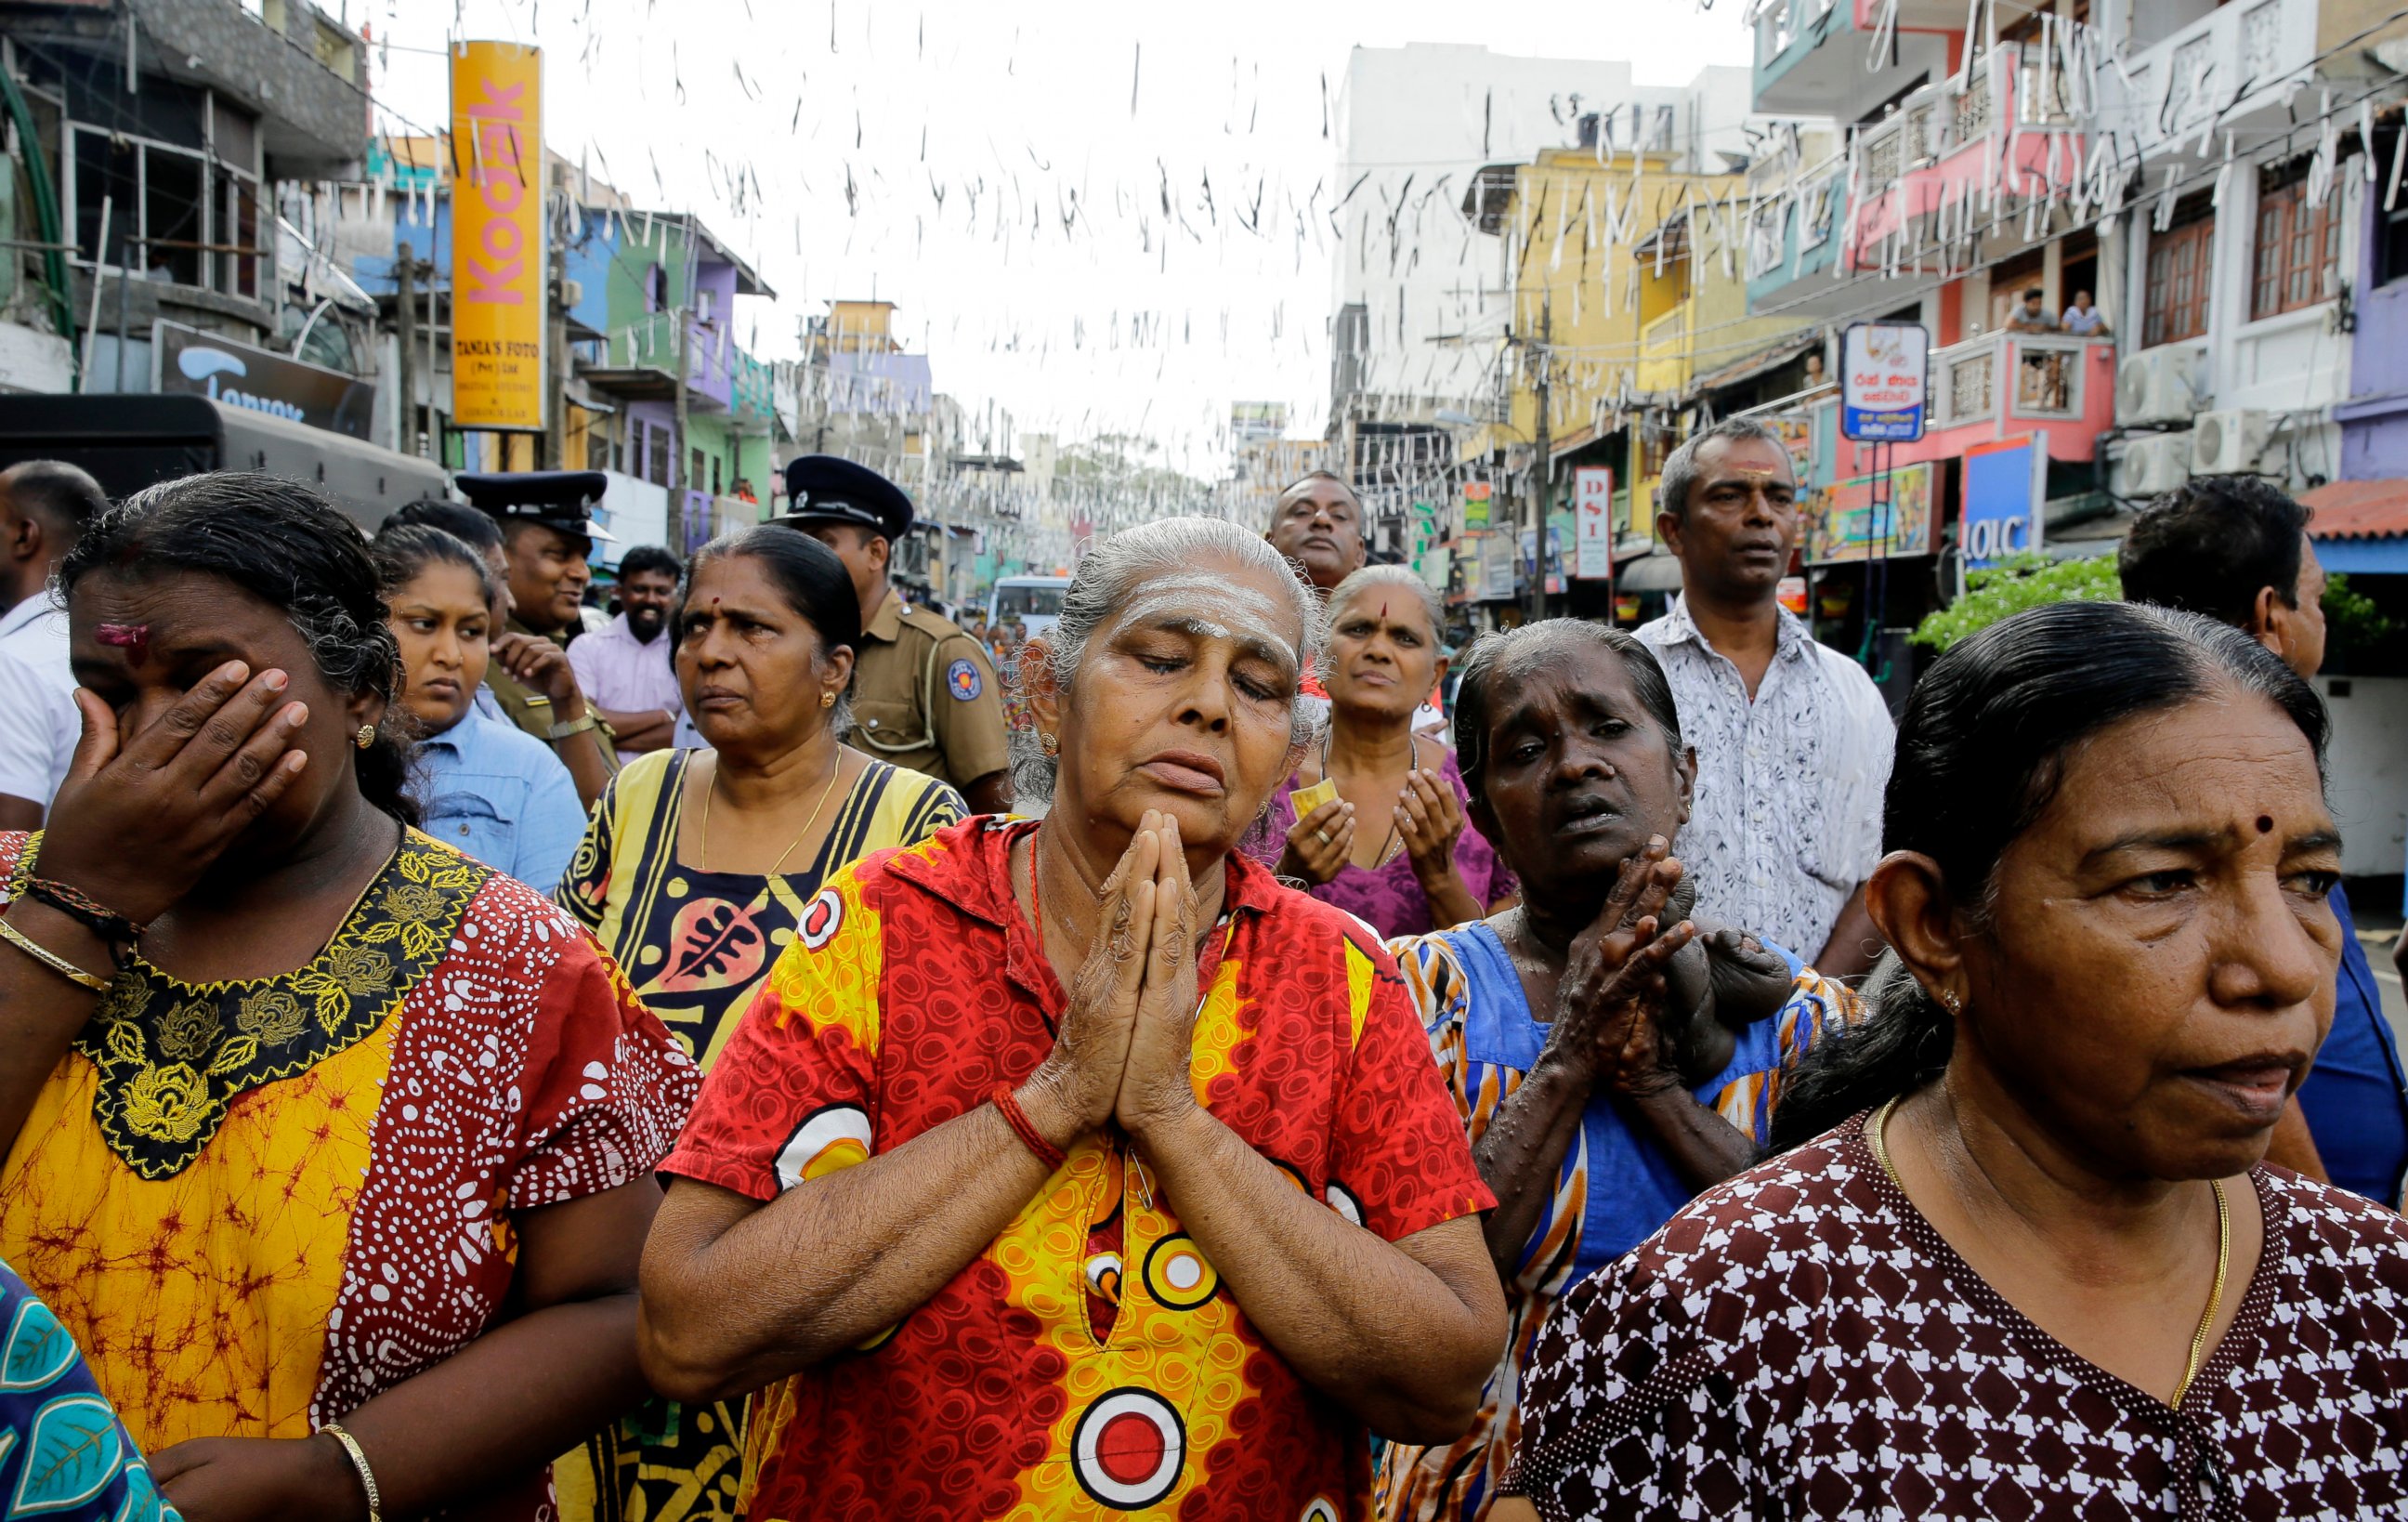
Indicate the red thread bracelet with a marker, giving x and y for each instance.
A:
(1030, 1137)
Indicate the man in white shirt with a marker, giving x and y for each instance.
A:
(1793, 740)
(43, 504)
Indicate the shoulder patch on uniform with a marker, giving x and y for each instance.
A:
(963, 681)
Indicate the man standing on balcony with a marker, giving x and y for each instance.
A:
(2082, 319)
(2033, 316)
(548, 530)
(924, 696)
(1792, 738)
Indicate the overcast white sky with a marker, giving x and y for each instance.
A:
(980, 164)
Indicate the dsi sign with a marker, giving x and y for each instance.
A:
(199, 363)
(1884, 381)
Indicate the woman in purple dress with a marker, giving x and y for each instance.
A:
(1374, 821)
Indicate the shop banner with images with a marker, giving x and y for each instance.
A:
(1475, 504)
(1865, 519)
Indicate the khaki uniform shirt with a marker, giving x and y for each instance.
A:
(531, 710)
(924, 696)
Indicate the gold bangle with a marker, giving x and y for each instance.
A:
(51, 959)
(359, 1461)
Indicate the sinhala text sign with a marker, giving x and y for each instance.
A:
(1593, 508)
(1884, 375)
(498, 250)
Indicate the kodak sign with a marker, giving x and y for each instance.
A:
(498, 366)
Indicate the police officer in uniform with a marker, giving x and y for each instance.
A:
(546, 518)
(923, 695)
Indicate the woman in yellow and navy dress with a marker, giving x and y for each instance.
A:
(697, 864)
(332, 1147)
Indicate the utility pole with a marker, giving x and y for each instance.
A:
(1534, 596)
(679, 485)
(555, 420)
(405, 329)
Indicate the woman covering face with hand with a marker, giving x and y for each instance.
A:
(2036, 1268)
(1608, 1058)
(313, 1123)
(484, 787)
(1382, 832)
(1076, 1164)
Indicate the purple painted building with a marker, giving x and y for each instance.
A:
(2368, 534)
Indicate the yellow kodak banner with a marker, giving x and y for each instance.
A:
(498, 366)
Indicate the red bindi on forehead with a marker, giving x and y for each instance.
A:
(133, 638)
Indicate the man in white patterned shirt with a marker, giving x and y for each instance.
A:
(1793, 740)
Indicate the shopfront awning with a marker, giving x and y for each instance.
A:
(2360, 526)
(1648, 573)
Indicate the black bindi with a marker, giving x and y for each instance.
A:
(2265, 824)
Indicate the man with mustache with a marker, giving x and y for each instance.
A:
(624, 666)
(1793, 740)
(1318, 523)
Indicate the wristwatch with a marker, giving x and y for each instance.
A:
(574, 727)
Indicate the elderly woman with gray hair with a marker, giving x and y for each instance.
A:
(1076, 1166)
(1375, 821)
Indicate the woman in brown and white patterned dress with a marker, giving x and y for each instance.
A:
(2037, 1269)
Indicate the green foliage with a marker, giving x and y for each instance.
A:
(2030, 579)
(2352, 620)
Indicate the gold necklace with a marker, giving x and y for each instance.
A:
(1876, 1130)
(703, 862)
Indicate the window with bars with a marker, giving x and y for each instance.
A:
(2179, 260)
(2299, 249)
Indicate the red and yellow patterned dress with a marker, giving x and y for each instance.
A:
(258, 1204)
(1089, 1362)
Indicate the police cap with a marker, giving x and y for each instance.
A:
(827, 489)
(557, 500)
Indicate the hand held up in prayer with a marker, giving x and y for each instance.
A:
(1074, 1089)
(1430, 819)
(1613, 988)
(1157, 1087)
(1320, 843)
(140, 817)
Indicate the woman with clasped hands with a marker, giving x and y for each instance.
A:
(1075, 1167)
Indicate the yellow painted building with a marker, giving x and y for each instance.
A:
(1631, 278)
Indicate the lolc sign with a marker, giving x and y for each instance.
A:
(498, 366)
(1884, 381)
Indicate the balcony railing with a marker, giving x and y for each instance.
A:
(2231, 64)
(2019, 377)
(1948, 139)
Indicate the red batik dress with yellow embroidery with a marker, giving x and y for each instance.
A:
(258, 1204)
(1089, 1362)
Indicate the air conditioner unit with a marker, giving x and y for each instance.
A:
(2227, 439)
(2153, 462)
(2162, 385)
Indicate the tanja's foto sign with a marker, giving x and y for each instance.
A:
(197, 363)
(1884, 381)
(497, 250)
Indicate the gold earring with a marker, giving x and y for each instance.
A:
(1953, 1004)
(827, 699)
(1048, 744)
(366, 737)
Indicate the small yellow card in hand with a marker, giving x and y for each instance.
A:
(1309, 798)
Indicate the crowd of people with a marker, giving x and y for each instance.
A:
(460, 1056)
